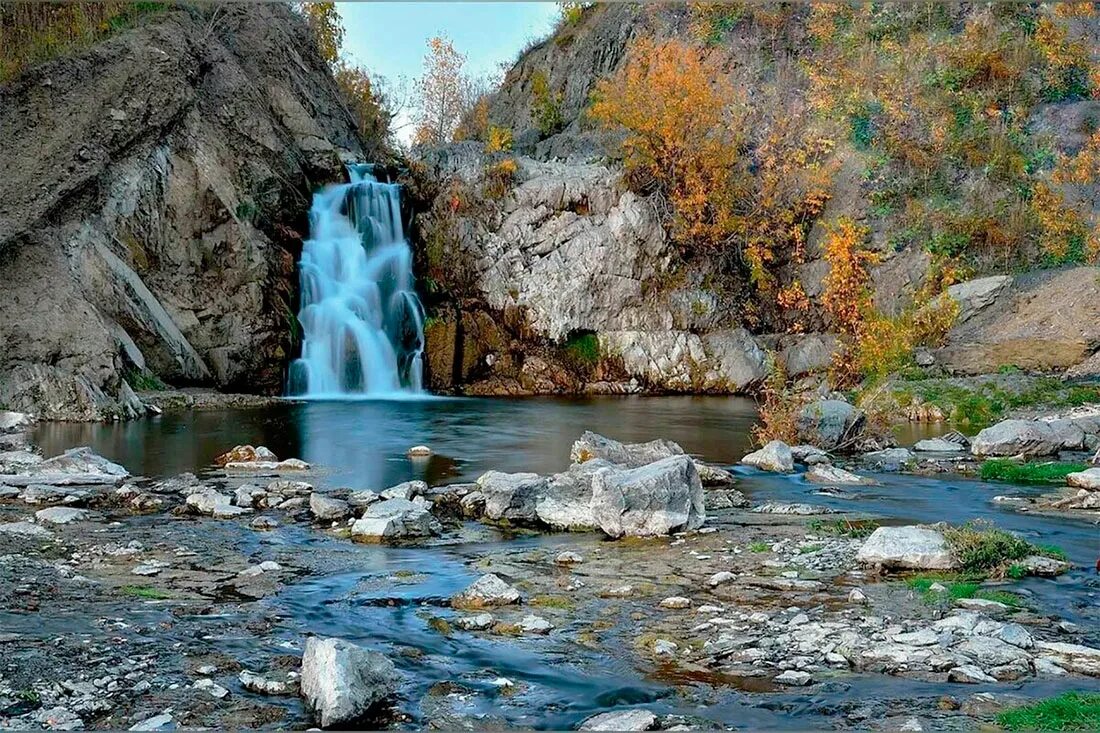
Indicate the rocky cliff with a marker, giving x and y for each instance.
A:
(154, 195)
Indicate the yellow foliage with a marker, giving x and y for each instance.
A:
(677, 106)
(366, 104)
(443, 91)
(328, 31)
(498, 140)
(847, 295)
(499, 177)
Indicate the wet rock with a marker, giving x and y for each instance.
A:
(714, 476)
(477, 622)
(630, 455)
(794, 678)
(906, 548)
(968, 674)
(830, 424)
(1016, 438)
(826, 474)
(246, 454)
(535, 625)
(937, 445)
(488, 590)
(328, 508)
(343, 683)
(511, 496)
(1087, 479)
(361, 499)
(675, 603)
(1046, 567)
(28, 530)
(775, 507)
(396, 519)
(655, 499)
(60, 515)
(267, 566)
(637, 719)
(215, 690)
(215, 504)
(164, 721)
(248, 495)
(407, 490)
(809, 455)
(1071, 657)
(74, 467)
(568, 557)
(419, 451)
(724, 499)
(289, 487)
(473, 504)
(775, 456)
(266, 686)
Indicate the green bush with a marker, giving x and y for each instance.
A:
(1068, 711)
(583, 350)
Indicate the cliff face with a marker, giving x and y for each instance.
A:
(153, 200)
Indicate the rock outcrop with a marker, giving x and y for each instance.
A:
(343, 683)
(151, 208)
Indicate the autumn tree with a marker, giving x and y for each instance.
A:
(677, 106)
(328, 31)
(443, 92)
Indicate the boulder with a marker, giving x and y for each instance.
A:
(636, 719)
(937, 445)
(60, 515)
(811, 455)
(656, 499)
(407, 490)
(13, 422)
(248, 495)
(328, 508)
(975, 295)
(830, 424)
(343, 683)
(775, 456)
(891, 459)
(724, 499)
(511, 496)
(1068, 435)
(714, 476)
(1087, 479)
(246, 454)
(826, 474)
(1071, 657)
(989, 652)
(1046, 567)
(907, 548)
(395, 519)
(209, 501)
(74, 467)
(488, 590)
(631, 455)
(565, 499)
(1016, 437)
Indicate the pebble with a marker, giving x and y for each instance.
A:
(795, 678)
(535, 625)
(675, 602)
(568, 558)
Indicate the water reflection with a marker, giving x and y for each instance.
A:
(362, 444)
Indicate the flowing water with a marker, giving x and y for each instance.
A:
(351, 592)
(362, 323)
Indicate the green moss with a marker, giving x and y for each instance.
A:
(144, 381)
(552, 602)
(1028, 473)
(981, 405)
(1068, 711)
(583, 350)
(145, 591)
(440, 625)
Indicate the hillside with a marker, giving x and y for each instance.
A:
(907, 148)
(151, 213)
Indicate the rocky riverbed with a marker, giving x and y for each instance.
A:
(758, 599)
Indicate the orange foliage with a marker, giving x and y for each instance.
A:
(847, 295)
(676, 104)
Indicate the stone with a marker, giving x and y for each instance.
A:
(675, 603)
(830, 424)
(419, 451)
(535, 625)
(891, 459)
(248, 495)
(973, 296)
(714, 499)
(28, 530)
(395, 519)
(621, 720)
(407, 490)
(1043, 566)
(74, 467)
(164, 721)
(265, 686)
(511, 496)
(775, 507)
(477, 622)
(1015, 438)
(365, 498)
(246, 454)
(920, 637)
(268, 467)
(1071, 657)
(656, 499)
(60, 515)
(714, 476)
(629, 455)
(857, 596)
(1087, 479)
(488, 590)
(215, 504)
(981, 604)
(215, 690)
(968, 674)
(568, 557)
(989, 652)
(906, 548)
(565, 500)
(267, 566)
(937, 445)
(342, 683)
(1016, 635)
(775, 456)
(810, 455)
(664, 648)
(328, 508)
(826, 474)
(720, 578)
(794, 678)
(14, 422)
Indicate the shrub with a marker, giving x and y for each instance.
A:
(675, 102)
(582, 350)
(1028, 473)
(982, 548)
(498, 139)
(778, 412)
(499, 178)
(1068, 711)
(847, 295)
(546, 105)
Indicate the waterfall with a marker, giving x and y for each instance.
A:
(362, 323)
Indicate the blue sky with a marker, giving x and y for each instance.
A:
(390, 38)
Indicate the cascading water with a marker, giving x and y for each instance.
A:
(362, 324)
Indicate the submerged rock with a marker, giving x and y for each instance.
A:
(396, 519)
(907, 548)
(775, 456)
(343, 683)
(488, 590)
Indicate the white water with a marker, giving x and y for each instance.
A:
(362, 324)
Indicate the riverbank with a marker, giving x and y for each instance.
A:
(143, 607)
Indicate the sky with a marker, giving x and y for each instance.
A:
(390, 38)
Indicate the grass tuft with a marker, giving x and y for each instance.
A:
(145, 591)
(857, 528)
(1028, 473)
(1068, 711)
(958, 590)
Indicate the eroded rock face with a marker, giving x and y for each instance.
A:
(342, 682)
(153, 224)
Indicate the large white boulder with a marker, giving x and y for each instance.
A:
(395, 519)
(1016, 437)
(76, 466)
(342, 682)
(488, 590)
(907, 548)
(655, 499)
(631, 455)
(776, 456)
(511, 496)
